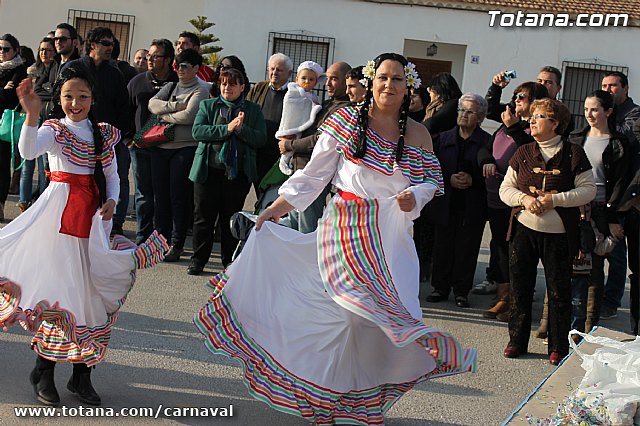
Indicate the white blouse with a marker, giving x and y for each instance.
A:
(327, 165)
(36, 141)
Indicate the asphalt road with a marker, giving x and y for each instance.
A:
(157, 360)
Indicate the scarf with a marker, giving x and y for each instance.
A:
(9, 65)
(229, 152)
(433, 107)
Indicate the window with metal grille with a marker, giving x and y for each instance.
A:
(580, 79)
(300, 48)
(121, 25)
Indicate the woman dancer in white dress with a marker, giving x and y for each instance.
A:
(59, 277)
(328, 325)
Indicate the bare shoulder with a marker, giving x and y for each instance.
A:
(418, 135)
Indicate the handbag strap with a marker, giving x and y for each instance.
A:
(13, 141)
(173, 88)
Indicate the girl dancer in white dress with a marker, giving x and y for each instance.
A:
(60, 277)
(328, 325)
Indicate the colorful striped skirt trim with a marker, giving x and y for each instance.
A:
(271, 383)
(355, 274)
(57, 336)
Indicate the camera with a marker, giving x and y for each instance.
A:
(510, 74)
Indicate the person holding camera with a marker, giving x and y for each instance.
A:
(460, 214)
(494, 159)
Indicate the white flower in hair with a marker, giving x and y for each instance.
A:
(364, 81)
(410, 68)
(411, 80)
(411, 75)
(369, 71)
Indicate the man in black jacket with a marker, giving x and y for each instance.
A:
(111, 105)
(65, 40)
(627, 112)
(142, 88)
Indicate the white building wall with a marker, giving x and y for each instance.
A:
(361, 30)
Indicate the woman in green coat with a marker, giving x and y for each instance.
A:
(228, 129)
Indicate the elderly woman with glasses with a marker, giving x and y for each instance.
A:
(460, 214)
(176, 103)
(494, 159)
(545, 184)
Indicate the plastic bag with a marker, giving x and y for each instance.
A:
(612, 372)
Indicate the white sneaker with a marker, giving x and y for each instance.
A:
(485, 287)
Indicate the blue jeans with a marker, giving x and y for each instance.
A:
(26, 178)
(173, 191)
(307, 220)
(123, 159)
(614, 288)
(143, 191)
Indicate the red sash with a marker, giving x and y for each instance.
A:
(348, 196)
(83, 201)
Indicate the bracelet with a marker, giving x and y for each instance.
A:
(522, 197)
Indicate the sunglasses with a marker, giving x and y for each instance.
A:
(6, 49)
(520, 96)
(106, 43)
(183, 66)
(62, 39)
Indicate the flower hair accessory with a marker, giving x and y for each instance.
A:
(410, 74)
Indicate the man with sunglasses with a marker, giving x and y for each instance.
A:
(111, 105)
(65, 41)
(141, 88)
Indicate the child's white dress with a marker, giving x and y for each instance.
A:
(61, 278)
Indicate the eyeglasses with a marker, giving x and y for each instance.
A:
(105, 43)
(520, 96)
(183, 66)
(62, 39)
(154, 57)
(541, 116)
(462, 111)
(6, 49)
(225, 66)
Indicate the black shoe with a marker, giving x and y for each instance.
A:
(436, 297)
(174, 253)
(80, 385)
(44, 386)
(462, 302)
(195, 269)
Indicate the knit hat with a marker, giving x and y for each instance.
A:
(310, 65)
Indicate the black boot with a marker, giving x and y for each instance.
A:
(80, 385)
(42, 380)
